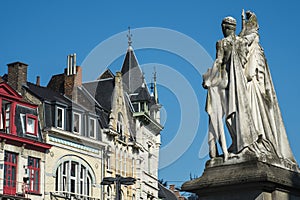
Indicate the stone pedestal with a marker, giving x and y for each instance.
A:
(245, 181)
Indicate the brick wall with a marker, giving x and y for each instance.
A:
(17, 75)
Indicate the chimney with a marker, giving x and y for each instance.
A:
(17, 75)
(71, 64)
(38, 81)
(73, 76)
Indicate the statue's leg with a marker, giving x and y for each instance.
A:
(221, 134)
(212, 144)
(223, 144)
(213, 150)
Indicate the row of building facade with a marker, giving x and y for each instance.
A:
(61, 140)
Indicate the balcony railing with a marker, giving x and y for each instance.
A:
(71, 196)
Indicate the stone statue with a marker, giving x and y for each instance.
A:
(240, 89)
(259, 163)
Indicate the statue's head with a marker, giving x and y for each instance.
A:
(249, 14)
(228, 26)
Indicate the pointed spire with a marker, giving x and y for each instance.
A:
(129, 36)
(155, 87)
(152, 89)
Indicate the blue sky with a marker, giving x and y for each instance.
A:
(43, 33)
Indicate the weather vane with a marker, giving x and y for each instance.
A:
(129, 36)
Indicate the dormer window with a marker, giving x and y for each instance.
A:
(76, 122)
(142, 106)
(60, 118)
(31, 124)
(136, 107)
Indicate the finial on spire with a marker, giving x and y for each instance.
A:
(155, 93)
(143, 80)
(154, 74)
(129, 36)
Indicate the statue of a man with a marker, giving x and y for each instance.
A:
(215, 80)
(240, 88)
(230, 99)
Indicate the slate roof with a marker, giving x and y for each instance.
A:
(5, 78)
(57, 83)
(141, 94)
(165, 193)
(106, 74)
(102, 91)
(44, 93)
(132, 75)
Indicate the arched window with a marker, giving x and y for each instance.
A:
(74, 177)
(120, 125)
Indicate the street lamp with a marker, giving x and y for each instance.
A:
(119, 180)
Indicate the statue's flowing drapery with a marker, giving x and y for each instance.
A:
(239, 119)
(249, 101)
(262, 98)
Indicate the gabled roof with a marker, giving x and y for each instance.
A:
(102, 91)
(8, 91)
(106, 74)
(46, 94)
(132, 75)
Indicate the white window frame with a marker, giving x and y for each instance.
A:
(62, 118)
(34, 119)
(95, 128)
(5, 115)
(64, 178)
(74, 123)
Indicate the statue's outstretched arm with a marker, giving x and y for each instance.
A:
(242, 33)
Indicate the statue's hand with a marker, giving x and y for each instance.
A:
(205, 85)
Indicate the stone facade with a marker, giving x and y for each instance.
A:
(99, 129)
